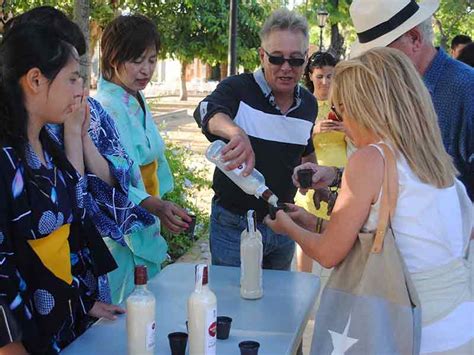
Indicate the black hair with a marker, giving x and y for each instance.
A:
(24, 47)
(460, 39)
(124, 39)
(57, 21)
(467, 55)
(317, 60)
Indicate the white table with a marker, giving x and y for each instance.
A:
(276, 321)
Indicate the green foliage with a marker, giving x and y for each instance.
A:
(101, 11)
(199, 28)
(338, 15)
(452, 18)
(187, 183)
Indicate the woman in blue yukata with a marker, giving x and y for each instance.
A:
(108, 167)
(129, 48)
(51, 255)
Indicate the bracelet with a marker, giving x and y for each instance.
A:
(337, 179)
(319, 224)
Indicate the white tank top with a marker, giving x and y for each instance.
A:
(427, 223)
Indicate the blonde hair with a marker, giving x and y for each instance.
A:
(383, 93)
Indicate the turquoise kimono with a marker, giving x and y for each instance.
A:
(144, 145)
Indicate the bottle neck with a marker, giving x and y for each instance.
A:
(201, 288)
(141, 287)
(267, 195)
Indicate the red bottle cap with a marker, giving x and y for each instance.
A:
(205, 277)
(141, 275)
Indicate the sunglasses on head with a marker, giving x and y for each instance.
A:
(338, 116)
(279, 60)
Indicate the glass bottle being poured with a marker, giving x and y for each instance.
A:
(253, 184)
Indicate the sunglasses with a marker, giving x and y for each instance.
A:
(279, 60)
(338, 116)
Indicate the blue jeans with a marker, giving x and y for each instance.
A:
(224, 240)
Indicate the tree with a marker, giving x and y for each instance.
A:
(90, 15)
(452, 18)
(339, 27)
(199, 29)
(81, 17)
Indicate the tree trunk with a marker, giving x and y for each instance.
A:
(183, 92)
(444, 37)
(337, 41)
(81, 17)
(224, 70)
(208, 72)
(95, 34)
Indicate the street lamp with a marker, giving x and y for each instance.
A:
(322, 18)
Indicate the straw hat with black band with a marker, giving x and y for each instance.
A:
(380, 22)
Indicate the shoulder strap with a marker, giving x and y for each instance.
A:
(389, 197)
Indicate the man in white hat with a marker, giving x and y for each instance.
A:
(407, 25)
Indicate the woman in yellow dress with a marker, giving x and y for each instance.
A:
(329, 137)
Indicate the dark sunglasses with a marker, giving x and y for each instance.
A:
(338, 116)
(279, 60)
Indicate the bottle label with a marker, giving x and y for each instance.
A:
(211, 323)
(238, 170)
(150, 336)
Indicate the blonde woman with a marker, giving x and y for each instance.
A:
(382, 100)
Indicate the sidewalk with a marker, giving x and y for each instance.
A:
(176, 123)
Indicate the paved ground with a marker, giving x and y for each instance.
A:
(177, 124)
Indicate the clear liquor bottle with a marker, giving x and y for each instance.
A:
(253, 184)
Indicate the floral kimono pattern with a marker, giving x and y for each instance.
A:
(52, 259)
(110, 209)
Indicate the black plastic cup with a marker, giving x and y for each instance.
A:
(192, 225)
(249, 347)
(178, 342)
(223, 327)
(305, 177)
(273, 210)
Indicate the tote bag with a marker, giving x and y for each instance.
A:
(369, 305)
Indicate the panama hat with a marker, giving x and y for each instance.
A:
(380, 22)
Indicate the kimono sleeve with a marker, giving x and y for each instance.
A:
(109, 207)
(16, 322)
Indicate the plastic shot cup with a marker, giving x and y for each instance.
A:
(223, 327)
(178, 341)
(273, 210)
(305, 177)
(249, 347)
(192, 225)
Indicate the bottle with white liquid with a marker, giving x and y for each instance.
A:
(243, 236)
(253, 184)
(141, 324)
(251, 254)
(202, 315)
